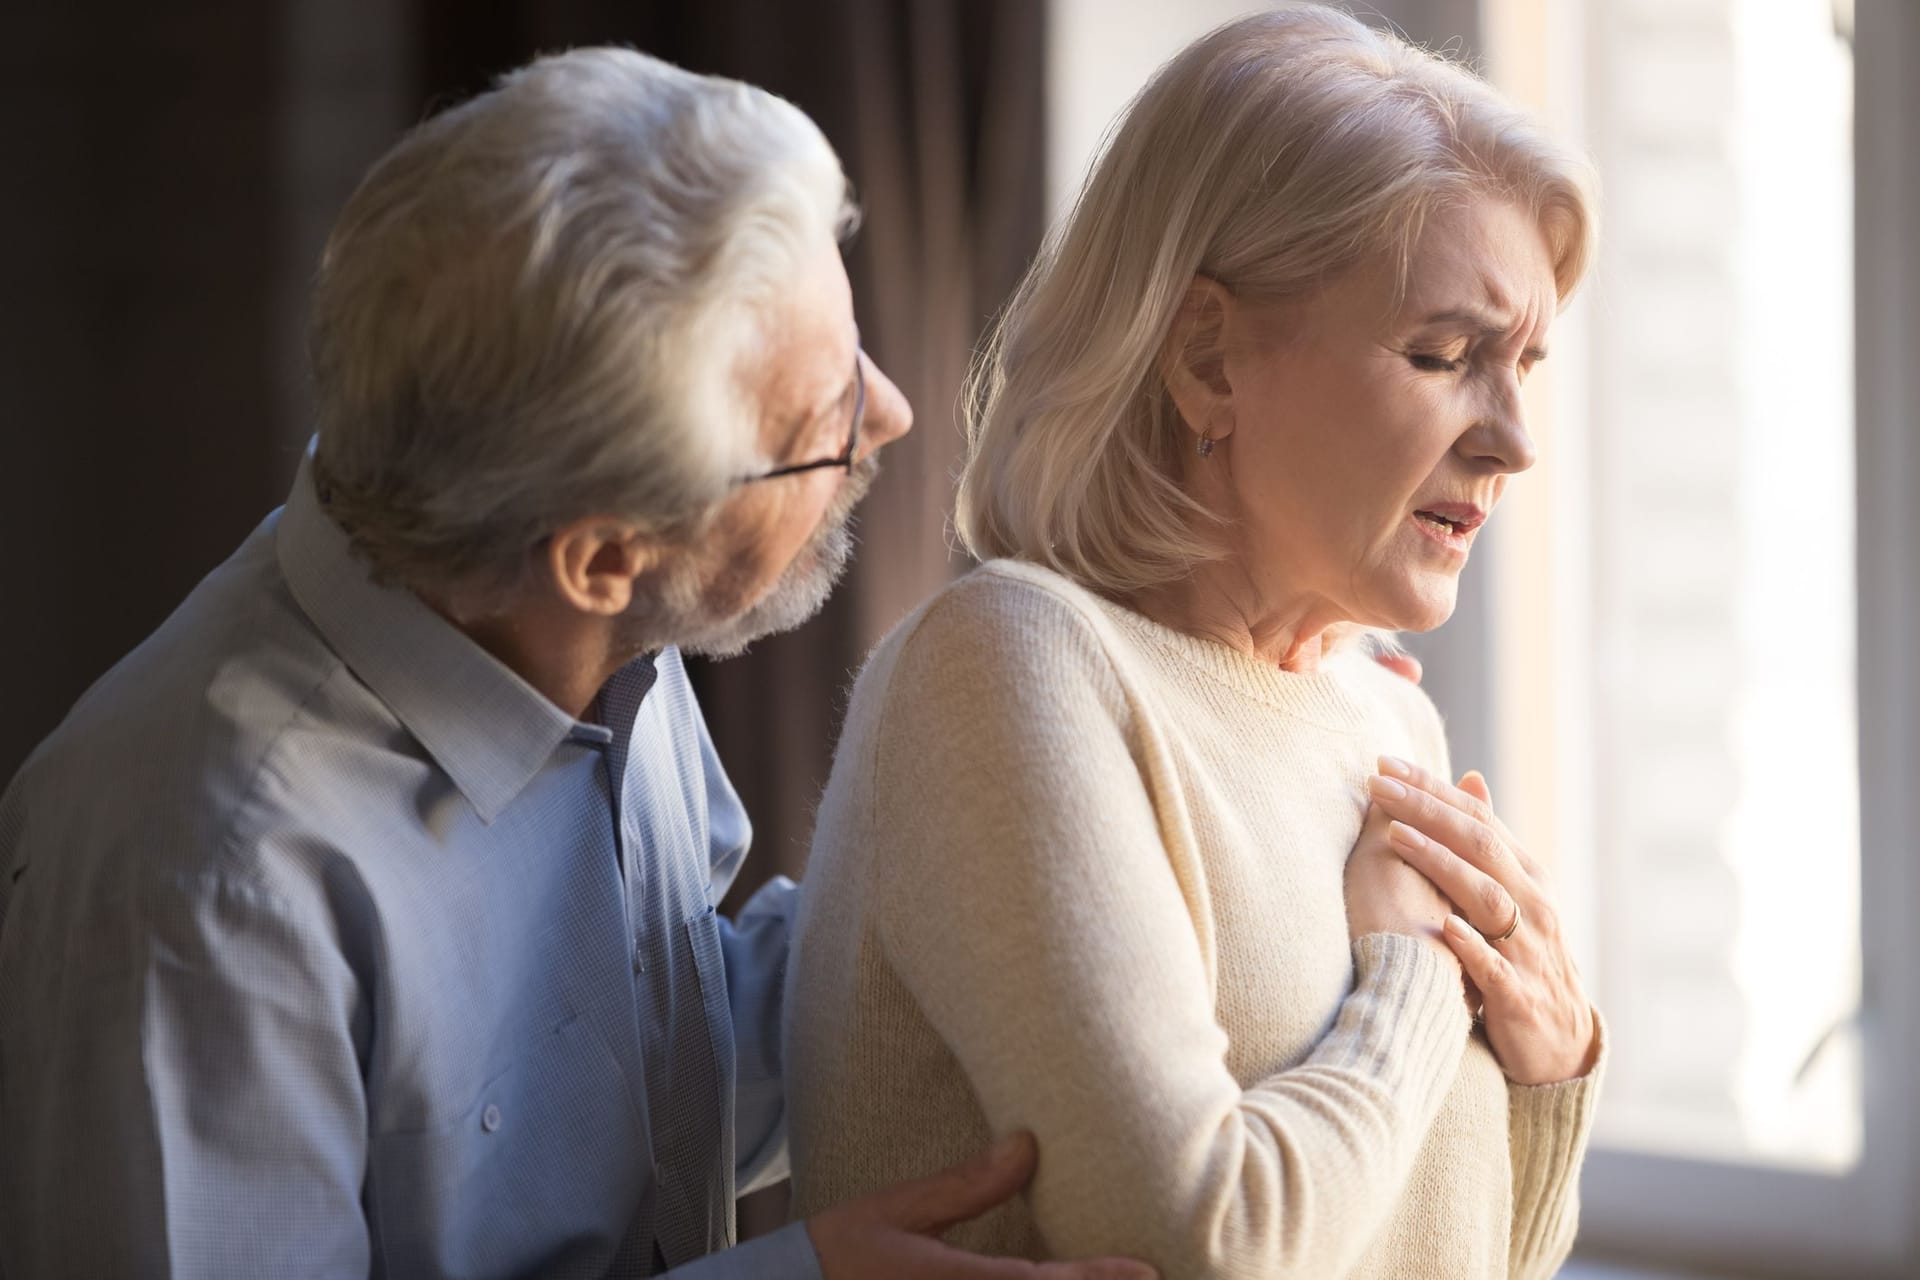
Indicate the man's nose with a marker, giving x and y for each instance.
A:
(889, 416)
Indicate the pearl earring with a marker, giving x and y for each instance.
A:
(1206, 446)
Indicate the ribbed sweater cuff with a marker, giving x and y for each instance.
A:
(1404, 1025)
(1548, 1126)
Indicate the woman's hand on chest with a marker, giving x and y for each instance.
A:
(1503, 924)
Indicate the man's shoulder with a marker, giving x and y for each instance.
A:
(168, 750)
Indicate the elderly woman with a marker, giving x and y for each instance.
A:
(1084, 863)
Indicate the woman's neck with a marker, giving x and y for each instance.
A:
(1223, 603)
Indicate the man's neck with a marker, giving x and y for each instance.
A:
(568, 658)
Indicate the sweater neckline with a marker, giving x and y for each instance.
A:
(1328, 696)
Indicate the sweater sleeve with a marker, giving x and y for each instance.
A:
(1548, 1126)
(1027, 899)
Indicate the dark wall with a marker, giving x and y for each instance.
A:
(170, 171)
(137, 405)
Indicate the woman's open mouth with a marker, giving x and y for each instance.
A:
(1450, 524)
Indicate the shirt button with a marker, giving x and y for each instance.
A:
(639, 957)
(490, 1118)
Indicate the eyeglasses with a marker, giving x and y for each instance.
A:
(845, 458)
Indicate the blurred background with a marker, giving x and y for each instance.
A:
(1682, 655)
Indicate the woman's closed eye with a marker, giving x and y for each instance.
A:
(1427, 363)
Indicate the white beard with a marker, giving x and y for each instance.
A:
(795, 597)
(680, 615)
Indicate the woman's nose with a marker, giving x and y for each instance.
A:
(1499, 441)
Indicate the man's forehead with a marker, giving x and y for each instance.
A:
(811, 337)
(808, 371)
(804, 385)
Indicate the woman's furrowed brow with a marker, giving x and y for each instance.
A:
(1484, 323)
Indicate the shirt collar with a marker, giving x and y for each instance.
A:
(486, 727)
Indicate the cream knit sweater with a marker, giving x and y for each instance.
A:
(1079, 873)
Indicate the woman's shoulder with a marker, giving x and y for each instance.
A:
(1006, 608)
(1007, 631)
(1022, 592)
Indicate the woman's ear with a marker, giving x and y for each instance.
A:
(1193, 359)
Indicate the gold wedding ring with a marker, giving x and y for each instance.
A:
(1512, 928)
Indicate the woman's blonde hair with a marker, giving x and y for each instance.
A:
(1270, 155)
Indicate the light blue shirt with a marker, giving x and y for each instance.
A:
(328, 946)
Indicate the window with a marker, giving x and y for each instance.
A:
(1695, 599)
(1680, 623)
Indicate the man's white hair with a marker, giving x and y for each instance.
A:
(538, 305)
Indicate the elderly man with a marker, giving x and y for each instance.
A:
(361, 921)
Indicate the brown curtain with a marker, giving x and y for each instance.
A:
(936, 109)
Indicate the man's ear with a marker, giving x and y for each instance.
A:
(1193, 359)
(592, 564)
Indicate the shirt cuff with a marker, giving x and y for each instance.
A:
(786, 1254)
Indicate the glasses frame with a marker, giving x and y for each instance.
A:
(845, 460)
